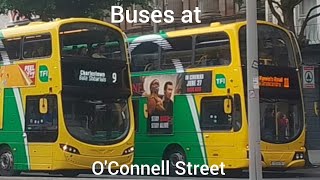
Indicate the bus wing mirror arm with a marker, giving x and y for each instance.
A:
(316, 108)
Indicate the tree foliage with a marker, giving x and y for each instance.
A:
(286, 15)
(48, 9)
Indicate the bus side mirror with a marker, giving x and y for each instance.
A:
(227, 106)
(316, 108)
(43, 105)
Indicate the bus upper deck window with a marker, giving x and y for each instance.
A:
(212, 50)
(92, 41)
(99, 52)
(274, 46)
(145, 56)
(37, 46)
(12, 47)
(177, 53)
(83, 51)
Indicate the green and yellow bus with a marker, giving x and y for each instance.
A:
(190, 95)
(60, 112)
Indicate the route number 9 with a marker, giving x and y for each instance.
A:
(114, 77)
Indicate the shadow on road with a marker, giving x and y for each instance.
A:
(238, 175)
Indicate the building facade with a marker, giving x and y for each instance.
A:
(4, 20)
(311, 57)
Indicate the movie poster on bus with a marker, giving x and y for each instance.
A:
(197, 82)
(184, 83)
(159, 91)
(23, 75)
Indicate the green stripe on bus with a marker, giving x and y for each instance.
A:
(195, 117)
(12, 133)
(154, 73)
(151, 148)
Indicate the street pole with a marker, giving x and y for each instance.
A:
(255, 167)
(155, 25)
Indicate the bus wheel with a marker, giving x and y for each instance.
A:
(6, 162)
(174, 155)
(70, 174)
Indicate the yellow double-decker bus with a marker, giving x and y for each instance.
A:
(61, 111)
(190, 97)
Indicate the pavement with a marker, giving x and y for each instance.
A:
(312, 171)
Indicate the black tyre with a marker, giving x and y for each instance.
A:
(6, 162)
(70, 174)
(17, 173)
(174, 155)
(235, 173)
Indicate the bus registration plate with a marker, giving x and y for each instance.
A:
(277, 163)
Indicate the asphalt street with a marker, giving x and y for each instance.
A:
(299, 175)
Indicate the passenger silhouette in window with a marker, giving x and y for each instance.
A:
(283, 124)
(268, 124)
(99, 52)
(224, 56)
(83, 51)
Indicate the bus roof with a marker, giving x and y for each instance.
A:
(216, 26)
(42, 27)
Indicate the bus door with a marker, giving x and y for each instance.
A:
(220, 117)
(41, 126)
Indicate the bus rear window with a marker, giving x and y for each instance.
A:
(213, 116)
(91, 40)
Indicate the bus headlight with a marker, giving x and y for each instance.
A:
(128, 150)
(70, 149)
(298, 156)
